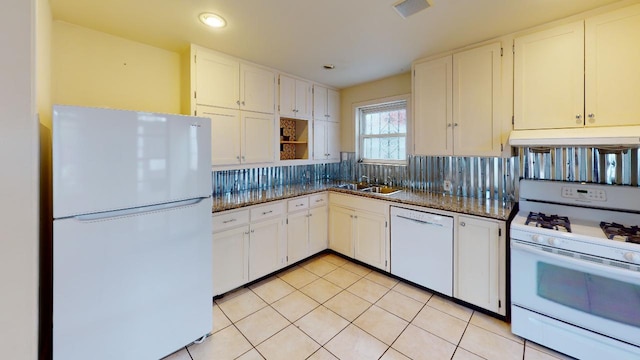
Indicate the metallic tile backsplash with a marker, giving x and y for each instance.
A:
(477, 177)
(604, 166)
(268, 177)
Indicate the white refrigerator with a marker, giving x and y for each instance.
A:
(132, 261)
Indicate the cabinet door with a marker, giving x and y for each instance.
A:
(612, 70)
(225, 134)
(257, 89)
(433, 107)
(333, 140)
(478, 271)
(371, 239)
(264, 240)
(216, 80)
(303, 100)
(319, 139)
(257, 137)
(333, 105)
(476, 101)
(230, 259)
(341, 230)
(549, 78)
(318, 229)
(320, 102)
(297, 236)
(287, 100)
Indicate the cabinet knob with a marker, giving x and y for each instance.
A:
(455, 124)
(327, 115)
(242, 157)
(463, 224)
(238, 157)
(592, 117)
(578, 118)
(238, 102)
(252, 230)
(449, 125)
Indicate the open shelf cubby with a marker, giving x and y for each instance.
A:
(294, 139)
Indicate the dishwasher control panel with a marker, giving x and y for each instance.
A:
(420, 216)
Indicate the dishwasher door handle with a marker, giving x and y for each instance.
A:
(419, 221)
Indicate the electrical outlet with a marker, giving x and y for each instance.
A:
(447, 185)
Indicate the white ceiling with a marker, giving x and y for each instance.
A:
(365, 39)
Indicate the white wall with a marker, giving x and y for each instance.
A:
(92, 68)
(18, 182)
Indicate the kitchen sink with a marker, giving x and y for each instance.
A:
(382, 190)
(368, 188)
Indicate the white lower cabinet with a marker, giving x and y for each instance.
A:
(307, 226)
(359, 229)
(247, 244)
(480, 266)
(297, 236)
(265, 255)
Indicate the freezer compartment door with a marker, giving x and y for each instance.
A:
(134, 286)
(107, 159)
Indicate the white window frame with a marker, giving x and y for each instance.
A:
(359, 140)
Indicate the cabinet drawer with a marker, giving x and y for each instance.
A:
(266, 211)
(228, 220)
(318, 199)
(298, 204)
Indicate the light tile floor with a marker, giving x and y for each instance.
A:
(331, 308)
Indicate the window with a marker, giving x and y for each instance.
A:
(383, 131)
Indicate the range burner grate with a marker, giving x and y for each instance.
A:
(620, 232)
(555, 222)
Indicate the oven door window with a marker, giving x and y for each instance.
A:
(593, 294)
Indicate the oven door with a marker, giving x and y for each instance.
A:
(579, 290)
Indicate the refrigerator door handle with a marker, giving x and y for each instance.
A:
(139, 210)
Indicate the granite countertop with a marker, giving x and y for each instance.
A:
(480, 207)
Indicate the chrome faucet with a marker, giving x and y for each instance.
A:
(363, 178)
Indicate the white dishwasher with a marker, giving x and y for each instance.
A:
(422, 248)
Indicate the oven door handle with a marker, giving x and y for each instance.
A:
(599, 268)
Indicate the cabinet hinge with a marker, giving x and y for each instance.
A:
(287, 221)
(501, 51)
(194, 59)
(513, 48)
(499, 232)
(513, 119)
(278, 81)
(385, 223)
(195, 112)
(278, 107)
(499, 303)
(501, 147)
(385, 263)
(195, 94)
(287, 258)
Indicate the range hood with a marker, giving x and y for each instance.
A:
(618, 136)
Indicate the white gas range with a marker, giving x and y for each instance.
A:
(575, 268)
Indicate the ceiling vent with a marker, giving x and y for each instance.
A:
(407, 8)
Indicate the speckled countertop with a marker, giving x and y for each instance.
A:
(481, 207)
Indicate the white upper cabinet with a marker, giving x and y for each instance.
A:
(225, 134)
(257, 138)
(477, 92)
(326, 104)
(549, 78)
(216, 80)
(222, 81)
(457, 102)
(326, 140)
(612, 68)
(579, 74)
(433, 107)
(295, 98)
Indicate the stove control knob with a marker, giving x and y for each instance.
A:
(633, 257)
(535, 238)
(552, 241)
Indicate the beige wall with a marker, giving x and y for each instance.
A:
(91, 68)
(391, 86)
(18, 181)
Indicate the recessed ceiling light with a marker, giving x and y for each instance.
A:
(213, 20)
(329, 66)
